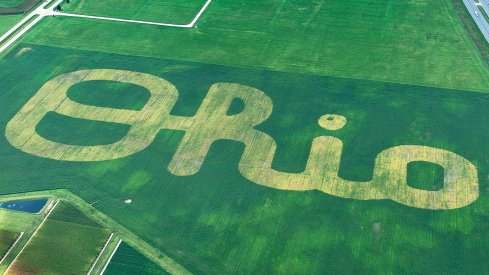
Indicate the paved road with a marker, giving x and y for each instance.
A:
(479, 20)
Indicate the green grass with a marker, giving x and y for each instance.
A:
(16, 221)
(99, 93)
(11, 3)
(425, 175)
(61, 247)
(218, 222)
(8, 21)
(7, 238)
(415, 42)
(65, 212)
(16, 6)
(128, 261)
(80, 132)
(163, 11)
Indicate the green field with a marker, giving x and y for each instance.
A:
(8, 21)
(61, 246)
(16, 221)
(128, 261)
(16, 6)
(298, 137)
(7, 238)
(412, 42)
(11, 3)
(220, 222)
(163, 11)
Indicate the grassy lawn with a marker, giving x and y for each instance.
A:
(166, 11)
(416, 42)
(61, 247)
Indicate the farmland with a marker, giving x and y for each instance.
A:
(176, 12)
(11, 3)
(129, 261)
(7, 238)
(16, 6)
(204, 217)
(275, 137)
(73, 245)
(394, 42)
(8, 21)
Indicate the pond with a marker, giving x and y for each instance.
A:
(29, 206)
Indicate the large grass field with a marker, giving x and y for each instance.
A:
(67, 243)
(413, 42)
(166, 11)
(216, 221)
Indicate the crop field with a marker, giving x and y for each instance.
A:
(129, 261)
(414, 42)
(8, 21)
(16, 221)
(61, 246)
(217, 217)
(7, 238)
(16, 6)
(301, 137)
(168, 11)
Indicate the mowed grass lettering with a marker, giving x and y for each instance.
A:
(212, 123)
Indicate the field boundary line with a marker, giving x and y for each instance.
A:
(196, 18)
(12, 247)
(32, 236)
(100, 253)
(57, 13)
(110, 258)
(6, 41)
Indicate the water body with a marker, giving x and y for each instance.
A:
(29, 206)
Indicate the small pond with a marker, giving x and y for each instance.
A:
(29, 206)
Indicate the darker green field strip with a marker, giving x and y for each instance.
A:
(128, 261)
(115, 95)
(76, 131)
(216, 221)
